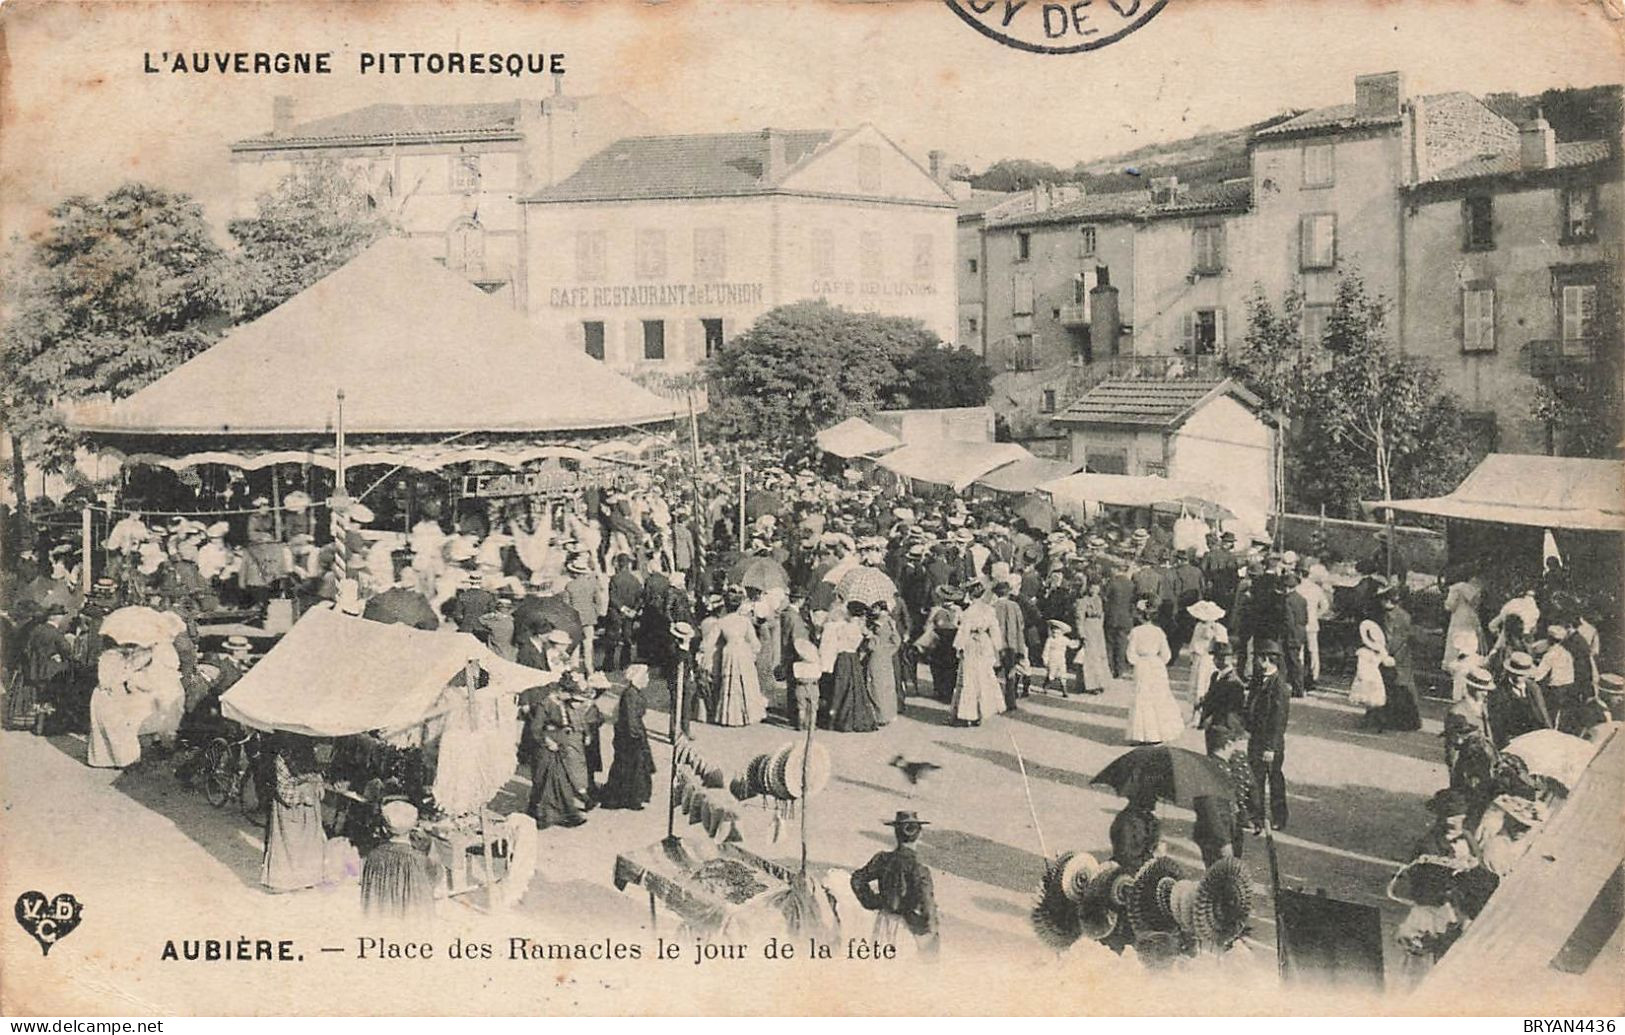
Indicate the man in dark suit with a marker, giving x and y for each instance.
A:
(1296, 642)
(625, 600)
(896, 885)
(1117, 599)
(1268, 706)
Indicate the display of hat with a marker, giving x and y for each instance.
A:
(1205, 611)
(1480, 679)
(949, 594)
(598, 681)
(296, 501)
(1224, 903)
(1148, 897)
(1519, 663)
(399, 816)
(1372, 636)
(105, 585)
(218, 530)
(906, 818)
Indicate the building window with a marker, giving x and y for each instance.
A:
(924, 256)
(1046, 403)
(870, 266)
(1579, 314)
(1105, 461)
(465, 247)
(1023, 357)
(1317, 240)
(1579, 214)
(1315, 319)
(1317, 165)
(1478, 318)
(823, 251)
(651, 254)
(973, 265)
(1024, 246)
(868, 167)
(1086, 241)
(654, 339)
(1481, 429)
(592, 333)
(1208, 246)
(1478, 223)
(591, 249)
(713, 335)
(972, 324)
(1021, 294)
(1203, 332)
(710, 253)
(465, 173)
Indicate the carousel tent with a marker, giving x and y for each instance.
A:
(415, 349)
(1541, 491)
(856, 437)
(955, 464)
(333, 675)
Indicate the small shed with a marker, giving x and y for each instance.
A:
(1182, 429)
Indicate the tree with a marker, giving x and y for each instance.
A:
(809, 364)
(1581, 404)
(1366, 422)
(314, 221)
(936, 378)
(117, 292)
(1010, 174)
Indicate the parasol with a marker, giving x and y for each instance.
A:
(867, 586)
(140, 626)
(1561, 756)
(763, 501)
(763, 573)
(1038, 512)
(1169, 773)
(556, 613)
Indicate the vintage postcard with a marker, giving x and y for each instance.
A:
(946, 507)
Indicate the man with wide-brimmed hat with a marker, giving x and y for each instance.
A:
(896, 885)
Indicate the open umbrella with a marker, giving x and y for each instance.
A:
(1169, 773)
(139, 626)
(1561, 756)
(758, 572)
(867, 586)
(1037, 512)
(556, 613)
(763, 501)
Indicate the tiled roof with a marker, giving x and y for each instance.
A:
(396, 122)
(687, 166)
(980, 201)
(1117, 205)
(1146, 403)
(1213, 197)
(1569, 155)
(1319, 120)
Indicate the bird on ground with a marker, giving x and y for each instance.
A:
(913, 770)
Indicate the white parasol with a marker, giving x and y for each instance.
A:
(141, 626)
(1561, 756)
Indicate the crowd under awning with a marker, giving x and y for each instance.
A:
(628, 448)
(953, 464)
(1541, 491)
(855, 437)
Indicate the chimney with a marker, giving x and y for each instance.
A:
(773, 161)
(283, 109)
(1164, 189)
(1537, 144)
(1040, 198)
(1378, 96)
(1105, 319)
(938, 165)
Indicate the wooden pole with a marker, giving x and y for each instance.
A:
(1275, 882)
(806, 772)
(676, 727)
(86, 576)
(741, 506)
(276, 503)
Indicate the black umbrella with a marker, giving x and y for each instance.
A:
(763, 501)
(1168, 773)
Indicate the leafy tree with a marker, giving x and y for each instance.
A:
(115, 293)
(809, 364)
(1366, 422)
(1010, 174)
(314, 221)
(933, 378)
(1582, 406)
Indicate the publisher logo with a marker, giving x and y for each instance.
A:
(1056, 26)
(48, 920)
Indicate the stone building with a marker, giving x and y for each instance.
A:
(450, 174)
(658, 249)
(1509, 256)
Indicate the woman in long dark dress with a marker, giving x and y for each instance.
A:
(558, 791)
(396, 882)
(1402, 711)
(845, 648)
(295, 844)
(630, 783)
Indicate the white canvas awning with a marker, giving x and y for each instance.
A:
(954, 464)
(1541, 491)
(855, 437)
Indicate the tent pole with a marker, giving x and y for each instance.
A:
(806, 773)
(86, 576)
(276, 502)
(741, 505)
(676, 727)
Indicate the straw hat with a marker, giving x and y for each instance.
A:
(1480, 679)
(1519, 663)
(1058, 626)
(1205, 611)
(1372, 636)
(238, 645)
(577, 566)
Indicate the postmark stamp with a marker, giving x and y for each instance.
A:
(1056, 26)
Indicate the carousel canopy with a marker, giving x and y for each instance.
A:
(856, 437)
(1544, 491)
(333, 675)
(956, 464)
(415, 348)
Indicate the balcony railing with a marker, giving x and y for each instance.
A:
(1074, 316)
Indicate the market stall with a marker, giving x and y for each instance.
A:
(950, 464)
(1081, 496)
(855, 437)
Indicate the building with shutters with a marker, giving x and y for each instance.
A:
(658, 249)
(1514, 257)
(450, 174)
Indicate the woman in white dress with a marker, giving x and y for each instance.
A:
(1204, 635)
(1367, 690)
(117, 709)
(977, 694)
(1462, 602)
(1154, 716)
(738, 691)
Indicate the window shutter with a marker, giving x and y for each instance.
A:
(1218, 251)
(1190, 333)
(1218, 331)
(1306, 240)
(1571, 312)
(1486, 320)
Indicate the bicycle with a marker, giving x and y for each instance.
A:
(233, 770)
